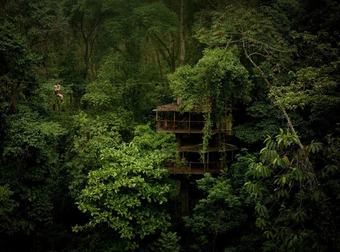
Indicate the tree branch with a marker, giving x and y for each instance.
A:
(309, 166)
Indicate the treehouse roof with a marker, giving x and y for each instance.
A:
(168, 107)
(175, 107)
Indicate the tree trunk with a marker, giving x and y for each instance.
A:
(276, 96)
(159, 64)
(182, 37)
(172, 54)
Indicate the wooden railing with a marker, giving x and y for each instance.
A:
(184, 126)
(194, 168)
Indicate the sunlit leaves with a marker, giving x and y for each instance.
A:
(217, 80)
(128, 191)
(284, 140)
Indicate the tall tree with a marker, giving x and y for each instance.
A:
(129, 189)
(182, 36)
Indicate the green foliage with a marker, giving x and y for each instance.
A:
(28, 167)
(217, 214)
(26, 132)
(111, 58)
(92, 136)
(156, 18)
(218, 80)
(6, 207)
(88, 19)
(168, 242)
(313, 89)
(33, 33)
(320, 15)
(129, 189)
(224, 212)
(112, 93)
(289, 204)
(249, 28)
(102, 96)
(262, 121)
(12, 47)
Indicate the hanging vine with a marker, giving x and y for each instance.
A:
(215, 82)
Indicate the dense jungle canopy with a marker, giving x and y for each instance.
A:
(86, 173)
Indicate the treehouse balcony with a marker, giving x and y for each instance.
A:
(170, 120)
(190, 160)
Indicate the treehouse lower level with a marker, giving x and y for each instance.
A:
(195, 168)
(192, 161)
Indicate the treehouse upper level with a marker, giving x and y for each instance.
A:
(170, 119)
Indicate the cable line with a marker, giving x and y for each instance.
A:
(93, 84)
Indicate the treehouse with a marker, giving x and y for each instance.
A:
(171, 120)
(188, 126)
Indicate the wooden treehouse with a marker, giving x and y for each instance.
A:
(188, 128)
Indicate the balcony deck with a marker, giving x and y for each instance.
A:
(189, 127)
(195, 168)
